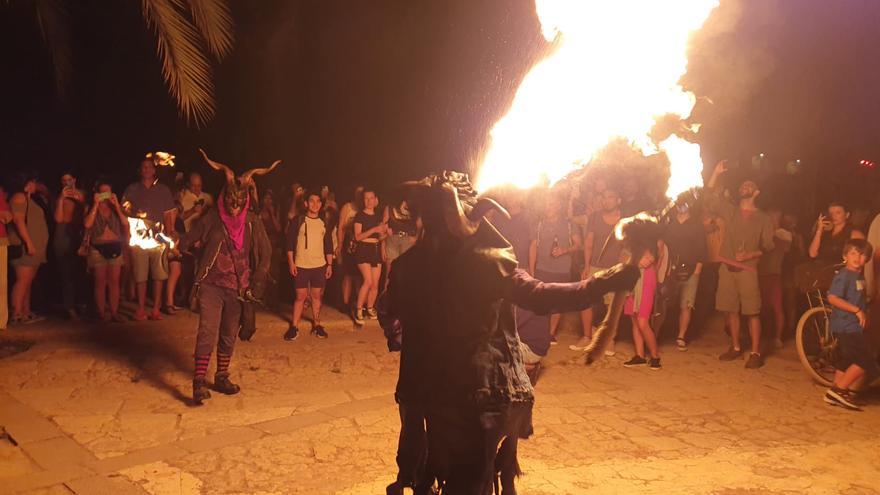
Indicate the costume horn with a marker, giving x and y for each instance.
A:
(230, 175)
(484, 206)
(248, 176)
(456, 220)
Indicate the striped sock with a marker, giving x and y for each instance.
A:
(202, 366)
(223, 363)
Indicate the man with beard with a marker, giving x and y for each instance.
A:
(232, 269)
(749, 235)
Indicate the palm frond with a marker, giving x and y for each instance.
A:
(214, 21)
(185, 66)
(54, 26)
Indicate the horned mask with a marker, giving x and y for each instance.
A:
(448, 201)
(235, 192)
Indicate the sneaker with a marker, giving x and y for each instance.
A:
(635, 361)
(654, 365)
(681, 344)
(169, 310)
(609, 349)
(581, 344)
(292, 333)
(358, 317)
(842, 398)
(371, 314)
(730, 354)
(318, 331)
(32, 318)
(755, 361)
(553, 340)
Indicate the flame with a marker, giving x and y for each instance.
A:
(147, 235)
(615, 68)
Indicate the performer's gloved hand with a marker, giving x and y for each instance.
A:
(620, 277)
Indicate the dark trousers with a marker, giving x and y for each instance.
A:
(65, 245)
(463, 445)
(412, 446)
(219, 314)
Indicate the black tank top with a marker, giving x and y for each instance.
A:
(831, 247)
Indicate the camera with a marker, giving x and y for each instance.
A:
(104, 196)
(200, 202)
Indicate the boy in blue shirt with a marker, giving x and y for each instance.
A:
(855, 363)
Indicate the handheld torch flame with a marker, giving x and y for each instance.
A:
(615, 68)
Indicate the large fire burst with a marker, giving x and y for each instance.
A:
(614, 69)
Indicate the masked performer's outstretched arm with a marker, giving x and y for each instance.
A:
(539, 297)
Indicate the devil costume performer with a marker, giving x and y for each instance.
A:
(232, 269)
(461, 373)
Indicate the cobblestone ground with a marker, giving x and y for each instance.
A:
(91, 410)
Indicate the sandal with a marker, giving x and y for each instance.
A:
(169, 309)
(155, 316)
(682, 344)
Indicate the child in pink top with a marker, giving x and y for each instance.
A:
(638, 306)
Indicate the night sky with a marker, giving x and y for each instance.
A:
(378, 91)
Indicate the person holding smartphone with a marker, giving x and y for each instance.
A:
(107, 228)
(832, 231)
(69, 212)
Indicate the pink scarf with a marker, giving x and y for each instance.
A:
(234, 225)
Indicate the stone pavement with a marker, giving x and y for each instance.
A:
(91, 410)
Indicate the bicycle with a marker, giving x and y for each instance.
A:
(816, 345)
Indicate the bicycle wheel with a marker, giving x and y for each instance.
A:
(816, 345)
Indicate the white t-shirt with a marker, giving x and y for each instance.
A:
(310, 244)
(188, 200)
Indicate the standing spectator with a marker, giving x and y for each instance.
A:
(686, 240)
(294, 203)
(832, 232)
(749, 235)
(795, 256)
(346, 244)
(855, 363)
(272, 223)
(770, 276)
(601, 251)
(152, 201)
(533, 329)
(69, 211)
(194, 201)
(403, 231)
(5, 218)
(639, 306)
(107, 228)
(194, 204)
(310, 260)
(551, 248)
(31, 233)
(369, 232)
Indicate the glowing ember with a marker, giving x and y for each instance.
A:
(615, 68)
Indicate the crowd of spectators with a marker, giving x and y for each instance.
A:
(724, 252)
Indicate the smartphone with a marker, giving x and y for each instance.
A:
(104, 196)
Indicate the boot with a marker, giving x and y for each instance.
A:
(200, 391)
(223, 385)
